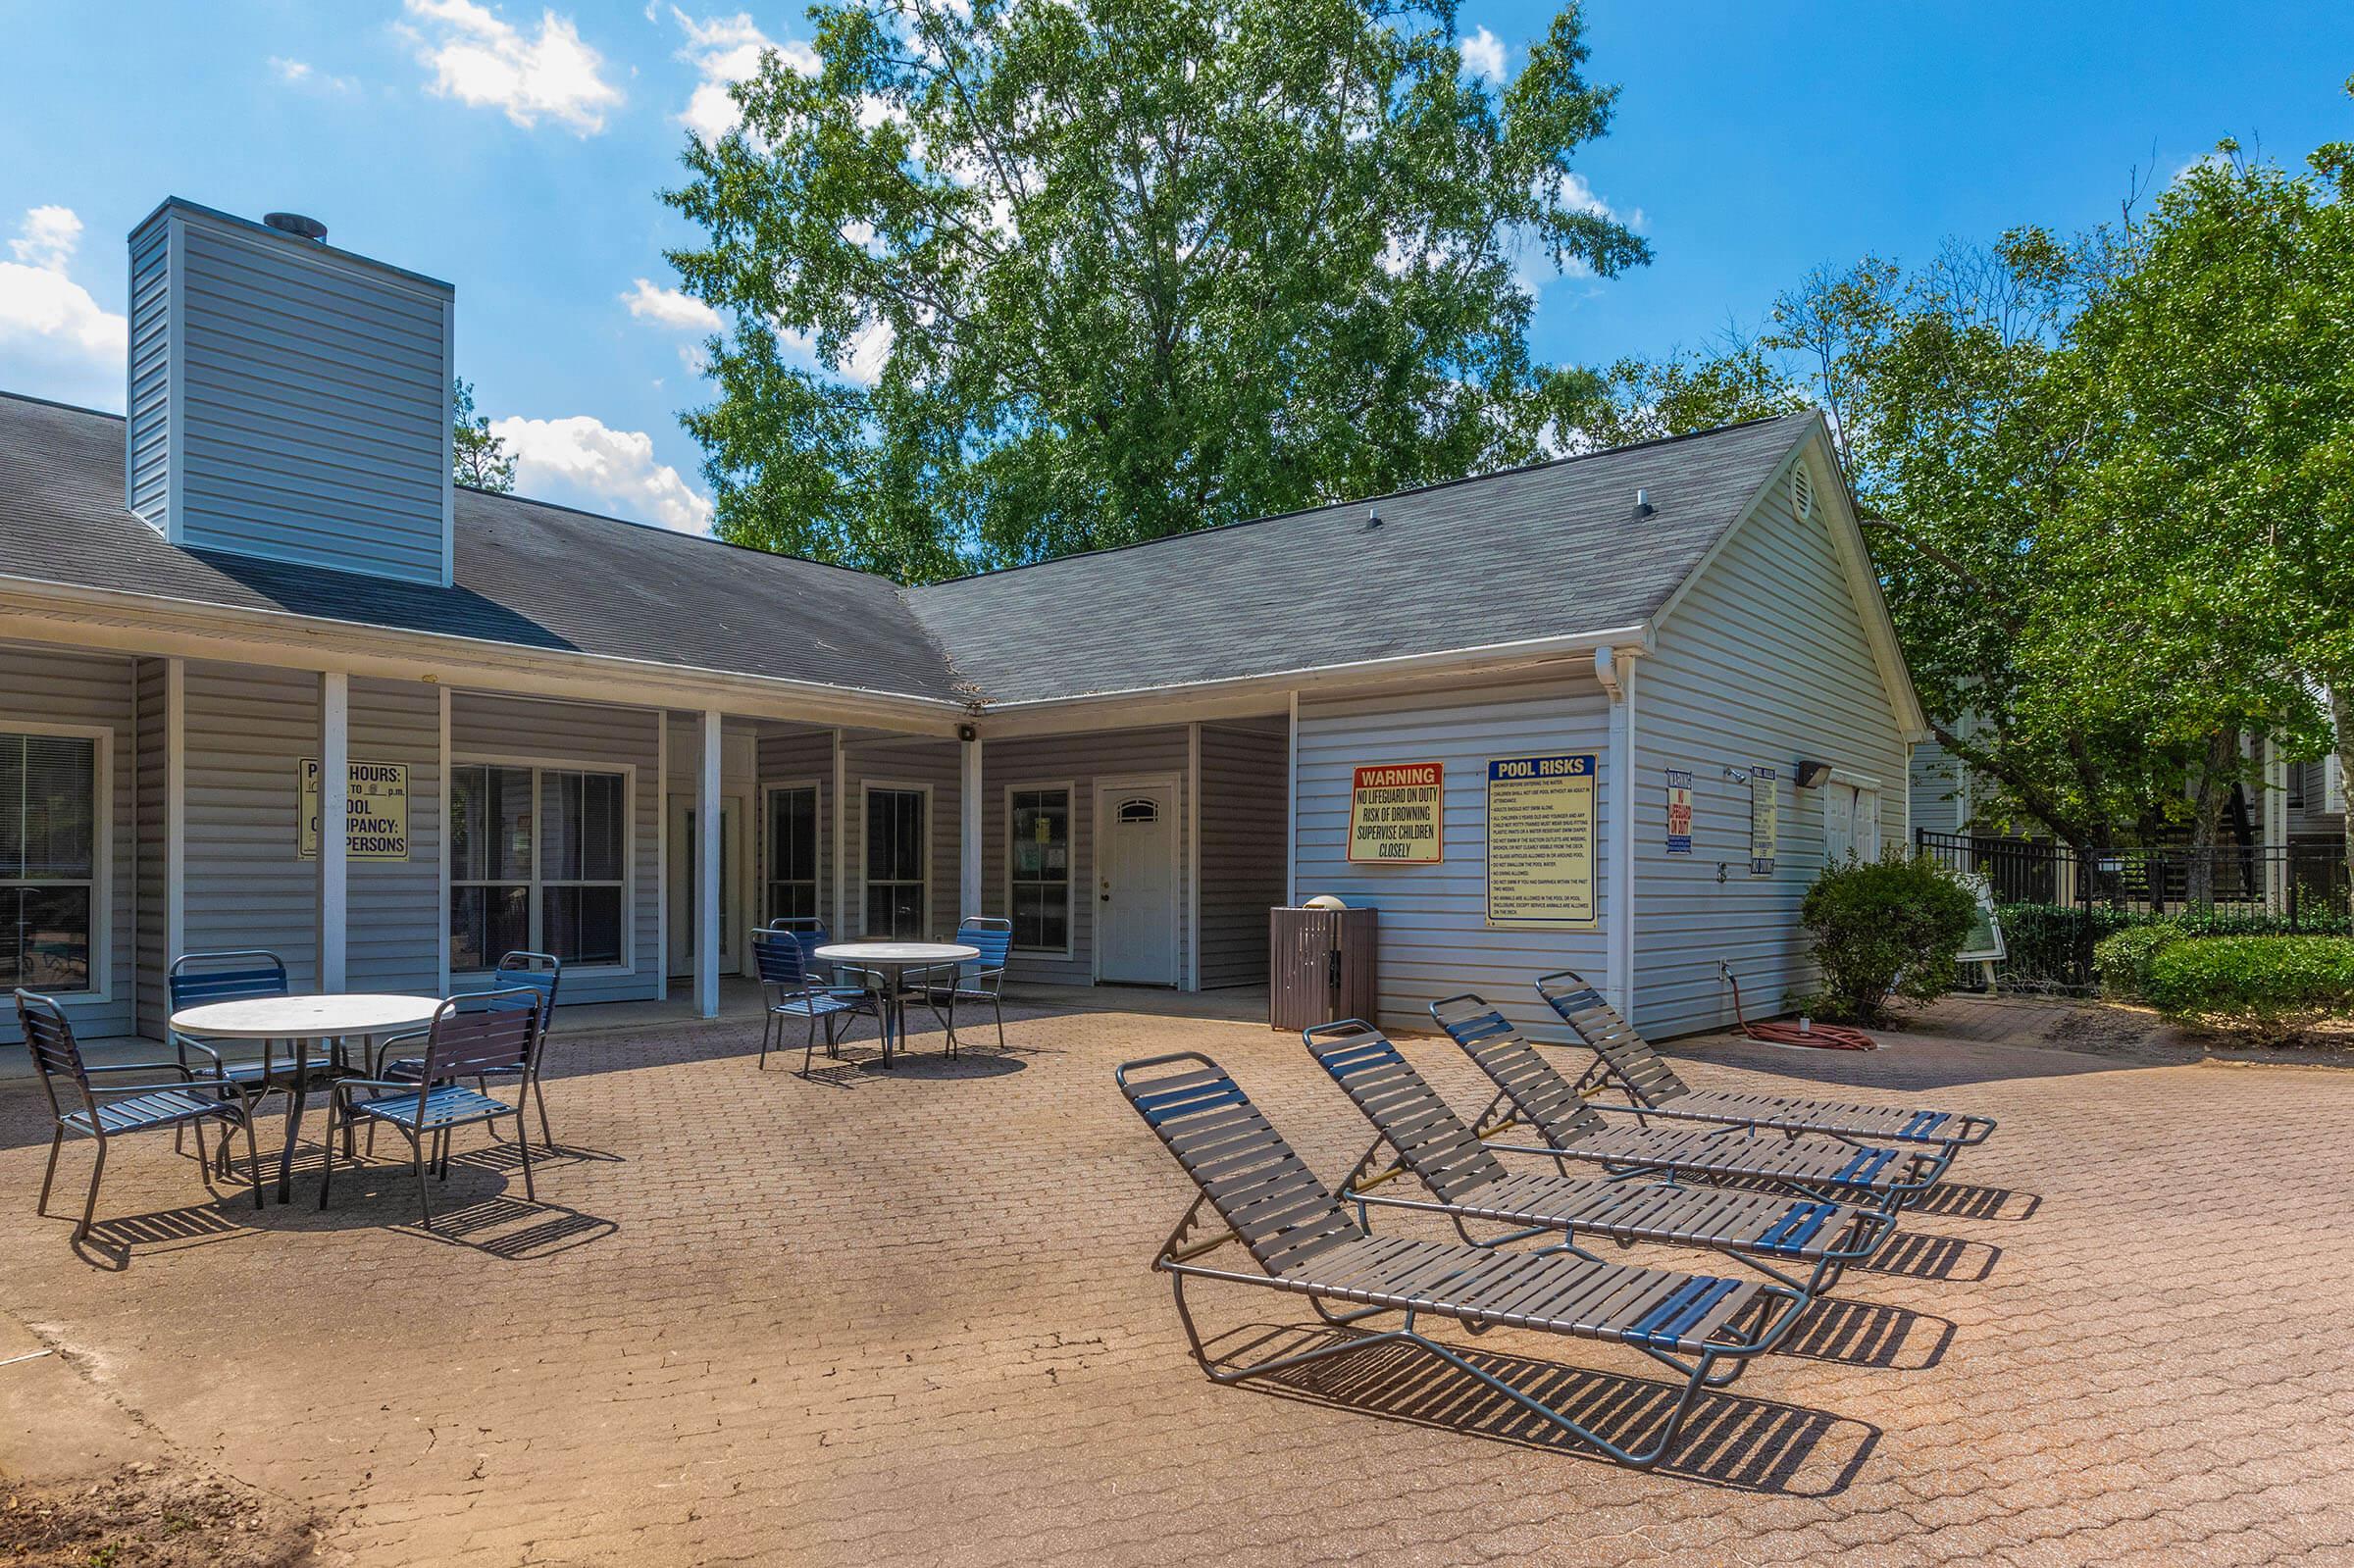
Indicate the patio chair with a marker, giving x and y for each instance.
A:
(1624, 1055)
(110, 1110)
(790, 990)
(195, 979)
(976, 980)
(489, 1035)
(1467, 1182)
(537, 972)
(1304, 1242)
(1831, 1170)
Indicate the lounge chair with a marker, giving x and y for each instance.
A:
(1467, 1182)
(1826, 1169)
(1304, 1242)
(1623, 1055)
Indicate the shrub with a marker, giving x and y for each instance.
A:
(2046, 943)
(1885, 926)
(2273, 986)
(2122, 958)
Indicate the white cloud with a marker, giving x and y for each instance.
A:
(724, 51)
(668, 306)
(869, 350)
(55, 339)
(480, 59)
(581, 462)
(302, 74)
(1483, 54)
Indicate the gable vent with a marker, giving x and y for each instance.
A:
(1802, 492)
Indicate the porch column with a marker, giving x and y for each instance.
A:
(2276, 828)
(1614, 673)
(841, 815)
(968, 838)
(335, 797)
(706, 871)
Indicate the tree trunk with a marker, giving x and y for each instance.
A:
(2206, 813)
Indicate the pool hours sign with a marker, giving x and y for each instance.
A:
(1397, 814)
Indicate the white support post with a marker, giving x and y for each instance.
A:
(1617, 676)
(2276, 828)
(1192, 856)
(175, 809)
(968, 838)
(335, 806)
(841, 815)
(1290, 811)
(441, 925)
(707, 870)
(664, 870)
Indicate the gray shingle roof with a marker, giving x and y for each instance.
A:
(1549, 550)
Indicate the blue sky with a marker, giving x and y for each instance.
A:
(516, 149)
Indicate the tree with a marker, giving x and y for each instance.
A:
(1640, 399)
(1078, 273)
(475, 456)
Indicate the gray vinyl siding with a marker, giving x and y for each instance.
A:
(1934, 782)
(151, 865)
(801, 758)
(892, 760)
(2309, 815)
(247, 729)
(393, 937)
(1435, 941)
(313, 398)
(97, 692)
(522, 730)
(146, 431)
(1242, 851)
(1765, 662)
(1079, 761)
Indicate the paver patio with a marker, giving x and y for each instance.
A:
(905, 1318)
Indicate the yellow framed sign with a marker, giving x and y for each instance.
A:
(376, 816)
(1397, 814)
(1541, 812)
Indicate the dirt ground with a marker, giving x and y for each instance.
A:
(151, 1516)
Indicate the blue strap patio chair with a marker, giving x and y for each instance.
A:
(539, 974)
(789, 990)
(232, 976)
(975, 979)
(110, 1110)
(489, 1035)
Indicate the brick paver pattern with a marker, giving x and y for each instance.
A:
(867, 1318)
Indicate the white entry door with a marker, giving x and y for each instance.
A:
(684, 911)
(1136, 885)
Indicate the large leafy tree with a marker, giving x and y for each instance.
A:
(1076, 273)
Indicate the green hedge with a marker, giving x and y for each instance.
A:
(2271, 985)
(2040, 942)
(2122, 958)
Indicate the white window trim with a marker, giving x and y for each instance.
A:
(629, 850)
(867, 786)
(817, 880)
(102, 853)
(1070, 881)
(1116, 784)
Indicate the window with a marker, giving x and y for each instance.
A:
(48, 861)
(537, 860)
(1140, 811)
(1039, 868)
(793, 852)
(895, 864)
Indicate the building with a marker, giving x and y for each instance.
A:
(630, 747)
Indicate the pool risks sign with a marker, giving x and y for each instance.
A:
(1397, 814)
(1541, 842)
(375, 817)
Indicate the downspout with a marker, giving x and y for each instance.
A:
(1614, 673)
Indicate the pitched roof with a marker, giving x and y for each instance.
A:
(1549, 550)
(528, 574)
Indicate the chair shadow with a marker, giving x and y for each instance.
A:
(857, 1068)
(1918, 1255)
(1728, 1439)
(381, 1193)
(1867, 1334)
(112, 1238)
(1955, 1201)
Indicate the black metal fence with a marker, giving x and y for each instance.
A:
(2056, 905)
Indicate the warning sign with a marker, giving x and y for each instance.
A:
(1679, 812)
(376, 816)
(1397, 814)
(1765, 822)
(1541, 842)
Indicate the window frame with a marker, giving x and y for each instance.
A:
(536, 767)
(817, 827)
(1070, 879)
(101, 881)
(867, 787)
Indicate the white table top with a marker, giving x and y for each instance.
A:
(893, 953)
(305, 1017)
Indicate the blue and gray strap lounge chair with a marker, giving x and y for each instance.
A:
(1304, 1242)
(1625, 1056)
(1827, 1169)
(1763, 1230)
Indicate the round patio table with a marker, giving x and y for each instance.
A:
(893, 960)
(298, 1021)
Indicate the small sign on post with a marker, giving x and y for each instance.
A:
(1679, 812)
(1397, 814)
(375, 815)
(1765, 822)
